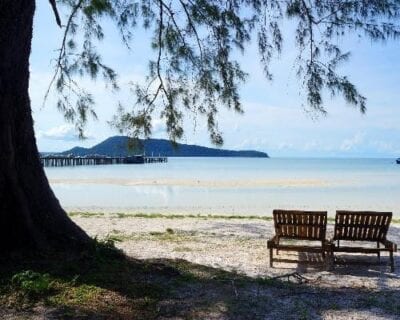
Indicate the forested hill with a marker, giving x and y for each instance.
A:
(119, 146)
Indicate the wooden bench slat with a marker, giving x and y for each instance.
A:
(349, 226)
(299, 225)
(358, 225)
(315, 249)
(363, 226)
(359, 249)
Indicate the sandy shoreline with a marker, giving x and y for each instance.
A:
(231, 244)
(244, 183)
(226, 210)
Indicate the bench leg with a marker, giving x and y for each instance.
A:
(391, 262)
(379, 253)
(326, 260)
(330, 258)
(271, 257)
(277, 249)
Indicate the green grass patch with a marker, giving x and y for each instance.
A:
(172, 236)
(102, 283)
(32, 284)
(121, 215)
(169, 235)
(119, 237)
(75, 295)
(182, 249)
(86, 214)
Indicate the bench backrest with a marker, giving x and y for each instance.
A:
(303, 225)
(362, 225)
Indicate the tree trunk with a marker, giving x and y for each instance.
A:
(30, 215)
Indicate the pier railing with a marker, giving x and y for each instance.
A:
(71, 160)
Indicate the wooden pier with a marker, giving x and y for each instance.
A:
(155, 159)
(92, 160)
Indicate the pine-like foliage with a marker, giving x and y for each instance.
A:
(193, 69)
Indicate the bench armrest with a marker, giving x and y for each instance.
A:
(390, 245)
(273, 242)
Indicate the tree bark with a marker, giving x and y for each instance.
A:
(30, 215)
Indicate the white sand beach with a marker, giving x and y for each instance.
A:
(236, 245)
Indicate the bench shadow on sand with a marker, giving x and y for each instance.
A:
(179, 289)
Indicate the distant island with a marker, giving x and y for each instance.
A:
(121, 146)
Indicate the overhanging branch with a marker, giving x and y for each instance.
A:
(55, 10)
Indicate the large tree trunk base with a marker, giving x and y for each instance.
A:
(31, 218)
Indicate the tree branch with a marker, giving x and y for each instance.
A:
(192, 26)
(54, 6)
(62, 49)
(160, 47)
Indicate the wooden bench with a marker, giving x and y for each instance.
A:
(298, 225)
(363, 226)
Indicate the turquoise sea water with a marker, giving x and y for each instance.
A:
(231, 186)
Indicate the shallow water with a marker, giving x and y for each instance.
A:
(231, 185)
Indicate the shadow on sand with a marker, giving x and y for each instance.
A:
(105, 284)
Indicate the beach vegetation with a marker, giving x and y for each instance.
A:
(169, 236)
(103, 283)
(194, 70)
(116, 237)
(183, 249)
(31, 283)
(175, 236)
(121, 215)
(183, 216)
(86, 214)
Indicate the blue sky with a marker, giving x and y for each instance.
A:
(274, 121)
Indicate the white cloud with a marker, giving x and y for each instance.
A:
(63, 132)
(274, 120)
(350, 144)
(285, 145)
(386, 146)
(312, 145)
(254, 143)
